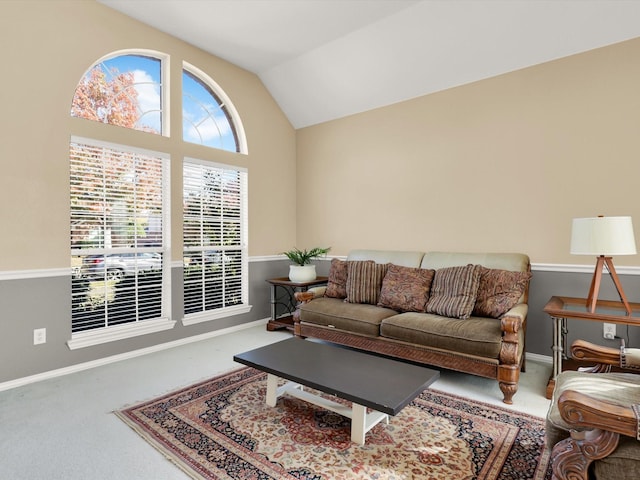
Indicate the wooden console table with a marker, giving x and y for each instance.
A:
(562, 308)
(282, 294)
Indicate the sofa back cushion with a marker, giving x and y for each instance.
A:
(516, 262)
(454, 290)
(402, 258)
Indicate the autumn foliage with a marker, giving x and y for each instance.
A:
(108, 101)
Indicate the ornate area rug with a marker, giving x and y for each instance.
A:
(222, 429)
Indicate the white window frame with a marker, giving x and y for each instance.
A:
(112, 333)
(245, 307)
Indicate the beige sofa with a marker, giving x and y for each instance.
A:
(424, 331)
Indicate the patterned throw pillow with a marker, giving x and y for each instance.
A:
(364, 281)
(406, 289)
(499, 291)
(337, 281)
(454, 289)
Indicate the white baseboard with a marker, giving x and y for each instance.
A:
(536, 357)
(19, 382)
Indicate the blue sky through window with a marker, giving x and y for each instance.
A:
(204, 119)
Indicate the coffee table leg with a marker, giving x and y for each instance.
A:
(358, 423)
(272, 390)
(362, 422)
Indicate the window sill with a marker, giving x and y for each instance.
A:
(121, 332)
(195, 318)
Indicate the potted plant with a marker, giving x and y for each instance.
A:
(302, 271)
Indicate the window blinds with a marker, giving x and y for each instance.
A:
(116, 235)
(214, 231)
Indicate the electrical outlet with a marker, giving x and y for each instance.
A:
(39, 336)
(609, 330)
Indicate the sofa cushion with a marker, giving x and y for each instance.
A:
(454, 289)
(477, 336)
(406, 289)
(337, 280)
(499, 291)
(353, 317)
(364, 281)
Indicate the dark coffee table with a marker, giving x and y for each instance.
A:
(384, 385)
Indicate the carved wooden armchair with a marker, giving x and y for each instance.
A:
(593, 421)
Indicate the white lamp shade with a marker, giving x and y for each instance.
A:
(603, 236)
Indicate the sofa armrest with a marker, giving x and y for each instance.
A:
(589, 352)
(511, 323)
(302, 298)
(318, 291)
(595, 427)
(582, 411)
(518, 311)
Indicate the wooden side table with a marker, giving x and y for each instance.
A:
(282, 295)
(562, 308)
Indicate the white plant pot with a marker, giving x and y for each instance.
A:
(302, 273)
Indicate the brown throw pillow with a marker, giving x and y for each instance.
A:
(406, 289)
(337, 281)
(499, 291)
(454, 289)
(364, 281)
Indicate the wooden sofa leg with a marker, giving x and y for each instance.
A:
(508, 376)
(508, 391)
(571, 457)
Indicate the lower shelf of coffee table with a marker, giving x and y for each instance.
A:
(361, 420)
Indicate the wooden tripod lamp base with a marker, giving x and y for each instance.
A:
(595, 284)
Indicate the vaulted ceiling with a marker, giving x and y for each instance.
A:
(326, 59)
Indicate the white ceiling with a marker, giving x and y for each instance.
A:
(326, 59)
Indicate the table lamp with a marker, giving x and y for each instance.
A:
(603, 237)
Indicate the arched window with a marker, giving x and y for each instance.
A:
(120, 202)
(208, 116)
(123, 90)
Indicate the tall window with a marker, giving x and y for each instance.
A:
(117, 235)
(120, 202)
(215, 251)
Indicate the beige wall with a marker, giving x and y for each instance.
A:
(502, 164)
(47, 47)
